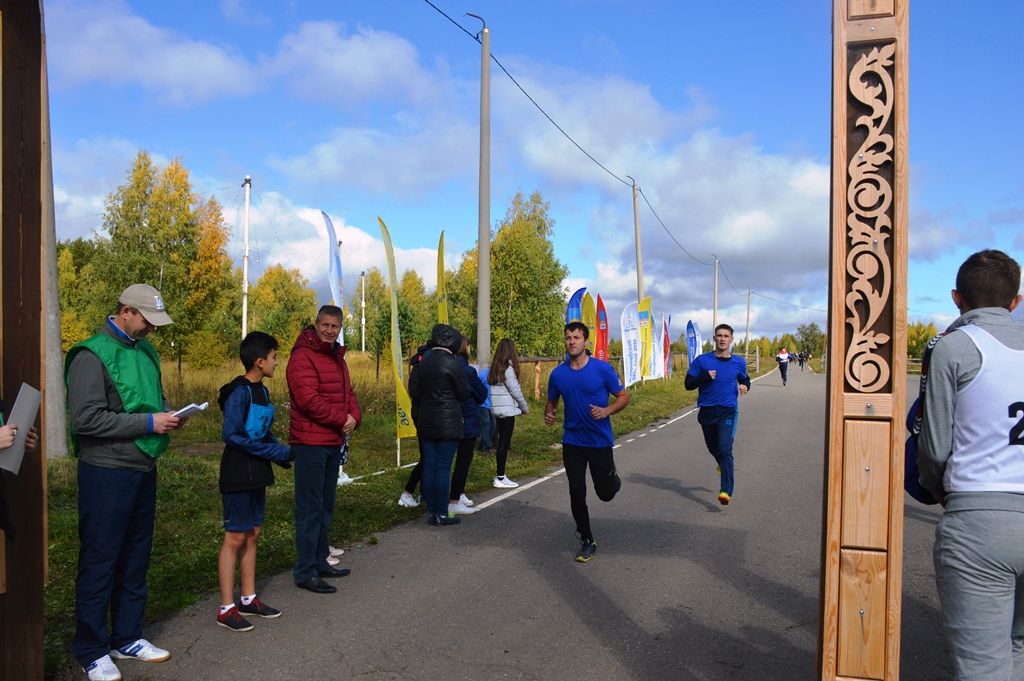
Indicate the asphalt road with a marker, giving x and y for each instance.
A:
(681, 588)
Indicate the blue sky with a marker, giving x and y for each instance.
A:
(721, 111)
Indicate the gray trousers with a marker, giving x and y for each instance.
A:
(979, 571)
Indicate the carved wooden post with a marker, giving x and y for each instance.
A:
(862, 547)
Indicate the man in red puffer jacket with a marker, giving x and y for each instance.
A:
(324, 413)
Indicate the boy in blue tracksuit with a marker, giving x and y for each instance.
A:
(245, 474)
(715, 376)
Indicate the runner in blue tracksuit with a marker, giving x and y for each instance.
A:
(715, 376)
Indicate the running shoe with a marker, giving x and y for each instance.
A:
(335, 552)
(587, 550)
(460, 508)
(503, 482)
(407, 501)
(724, 498)
(233, 620)
(103, 669)
(259, 608)
(465, 501)
(141, 650)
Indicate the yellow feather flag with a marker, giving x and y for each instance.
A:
(589, 317)
(403, 405)
(442, 292)
(643, 310)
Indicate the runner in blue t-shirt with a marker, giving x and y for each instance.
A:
(585, 384)
(715, 376)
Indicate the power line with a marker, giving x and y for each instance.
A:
(586, 153)
(532, 100)
(670, 235)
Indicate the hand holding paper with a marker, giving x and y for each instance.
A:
(191, 409)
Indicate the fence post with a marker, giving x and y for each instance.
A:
(536, 380)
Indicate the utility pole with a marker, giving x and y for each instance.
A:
(362, 308)
(746, 340)
(247, 183)
(714, 312)
(483, 245)
(636, 241)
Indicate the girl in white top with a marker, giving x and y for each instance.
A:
(507, 402)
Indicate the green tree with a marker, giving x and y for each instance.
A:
(918, 335)
(281, 304)
(527, 298)
(159, 232)
(811, 338)
(422, 310)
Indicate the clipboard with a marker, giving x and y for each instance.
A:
(22, 416)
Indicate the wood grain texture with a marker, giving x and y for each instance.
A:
(862, 614)
(866, 485)
(860, 9)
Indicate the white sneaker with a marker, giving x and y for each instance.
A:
(504, 482)
(343, 478)
(407, 501)
(332, 561)
(333, 552)
(464, 500)
(103, 669)
(141, 650)
(460, 509)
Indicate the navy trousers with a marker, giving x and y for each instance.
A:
(116, 512)
(316, 485)
(719, 426)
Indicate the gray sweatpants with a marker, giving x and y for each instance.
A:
(979, 571)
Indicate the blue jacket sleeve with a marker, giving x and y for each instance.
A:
(233, 431)
(477, 389)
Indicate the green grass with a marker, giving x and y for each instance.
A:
(188, 532)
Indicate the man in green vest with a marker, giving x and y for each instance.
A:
(119, 426)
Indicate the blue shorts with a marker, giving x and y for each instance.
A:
(244, 510)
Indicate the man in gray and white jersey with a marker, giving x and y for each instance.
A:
(971, 457)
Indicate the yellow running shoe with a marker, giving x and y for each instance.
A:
(724, 498)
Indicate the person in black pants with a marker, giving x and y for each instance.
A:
(585, 383)
(458, 502)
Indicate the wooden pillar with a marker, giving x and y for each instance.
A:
(862, 543)
(23, 564)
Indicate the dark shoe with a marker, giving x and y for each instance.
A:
(259, 609)
(328, 572)
(317, 586)
(234, 621)
(587, 550)
(447, 519)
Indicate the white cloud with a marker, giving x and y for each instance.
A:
(324, 64)
(295, 237)
(403, 163)
(932, 235)
(102, 40)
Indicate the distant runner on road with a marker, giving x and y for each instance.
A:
(783, 359)
(715, 375)
(585, 383)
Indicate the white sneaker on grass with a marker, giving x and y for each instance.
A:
(407, 501)
(504, 482)
(335, 552)
(141, 650)
(459, 508)
(103, 669)
(465, 501)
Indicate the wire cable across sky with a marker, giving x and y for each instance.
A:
(590, 156)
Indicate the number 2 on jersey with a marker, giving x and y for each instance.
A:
(1017, 432)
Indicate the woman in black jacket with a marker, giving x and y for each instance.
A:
(437, 386)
